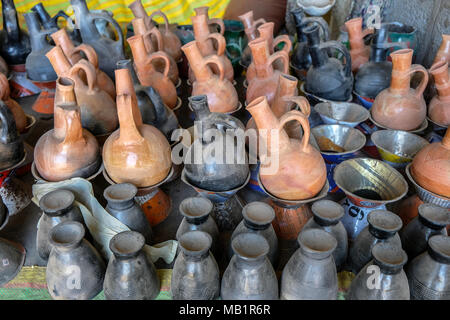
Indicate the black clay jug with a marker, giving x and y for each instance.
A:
(213, 130)
(153, 110)
(375, 75)
(11, 146)
(301, 59)
(108, 50)
(14, 42)
(327, 78)
(37, 64)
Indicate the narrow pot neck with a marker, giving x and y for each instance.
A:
(127, 64)
(201, 70)
(430, 224)
(256, 227)
(441, 78)
(121, 204)
(197, 220)
(261, 53)
(380, 234)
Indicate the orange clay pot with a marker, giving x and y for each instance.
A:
(147, 73)
(68, 150)
(17, 111)
(290, 169)
(409, 209)
(136, 153)
(430, 167)
(439, 107)
(359, 52)
(443, 53)
(221, 94)
(289, 221)
(400, 107)
(72, 53)
(211, 21)
(250, 25)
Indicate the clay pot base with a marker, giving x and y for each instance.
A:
(422, 127)
(39, 178)
(234, 83)
(425, 195)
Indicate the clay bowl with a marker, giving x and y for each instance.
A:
(346, 113)
(316, 7)
(39, 178)
(422, 127)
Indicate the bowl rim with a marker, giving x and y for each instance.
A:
(351, 105)
(347, 128)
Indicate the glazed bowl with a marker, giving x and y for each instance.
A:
(346, 113)
(316, 7)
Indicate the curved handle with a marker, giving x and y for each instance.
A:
(4, 88)
(161, 55)
(159, 39)
(287, 43)
(219, 22)
(302, 102)
(423, 83)
(214, 59)
(74, 130)
(258, 22)
(113, 22)
(340, 47)
(367, 31)
(9, 130)
(88, 69)
(161, 14)
(60, 14)
(89, 52)
(157, 102)
(322, 25)
(221, 42)
(280, 55)
(300, 117)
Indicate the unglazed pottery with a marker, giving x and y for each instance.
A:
(68, 150)
(250, 28)
(443, 53)
(400, 107)
(359, 52)
(19, 116)
(13, 254)
(439, 107)
(211, 21)
(11, 146)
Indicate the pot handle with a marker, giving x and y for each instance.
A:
(161, 55)
(300, 117)
(221, 43)
(367, 31)
(161, 14)
(129, 133)
(113, 23)
(423, 83)
(89, 52)
(322, 25)
(4, 88)
(88, 69)
(157, 102)
(214, 59)
(287, 43)
(339, 47)
(74, 129)
(9, 130)
(259, 22)
(219, 22)
(280, 55)
(159, 39)
(302, 102)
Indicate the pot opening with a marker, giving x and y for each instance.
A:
(120, 192)
(327, 209)
(66, 82)
(250, 246)
(389, 255)
(127, 242)
(258, 213)
(56, 201)
(385, 220)
(437, 215)
(67, 233)
(439, 65)
(440, 244)
(195, 241)
(196, 207)
(317, 240)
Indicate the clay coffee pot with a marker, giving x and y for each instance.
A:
(430, 167)
(11, 146)
(400, 107)
(68, 150)
(136, 153)
(222, 96)
(443, 53)
(108, 50)
(266, 32)
(290, 169)
(147, 73)
(439, 107)
(359, 52)
(14, 42)
(327, 78)
(17, 111)
(37, 65)
(267, 77)
(140, 28)
(72, 53)
(250, 28)
(211, 21)
(172, 43)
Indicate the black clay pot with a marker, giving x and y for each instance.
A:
(11, 146)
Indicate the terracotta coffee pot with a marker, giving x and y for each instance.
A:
(250, 28)
(68, 150)
(439, 107)
(290, 169)
(359, 52)
(400, 107)
(430, 167)
(140, 28)
(17, 111)
(135, 153)
(266, 32)
(147, 73)
(72, 53)
(222, 96)
(211, 21)
(443, 53)
(266, 80)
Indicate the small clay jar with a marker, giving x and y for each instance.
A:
(11, 146)
(68, 150)
(443, 53)
(250, 28)
(431, 221)
(430, 167)
(310, 273)
(258, 217)
(429, 273)
(400, 107)
(147, 73)
(222, 96)
(249, 275)
(159, 64)
(136, 153)
(75, 270)
(390, 283)
(121, 205)
(196, 212)
(359, 52)
(439, 107)
(57, 207)
(19, 115)
(72, 53)
(130, 274)
(383, 227)
(327, 216)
